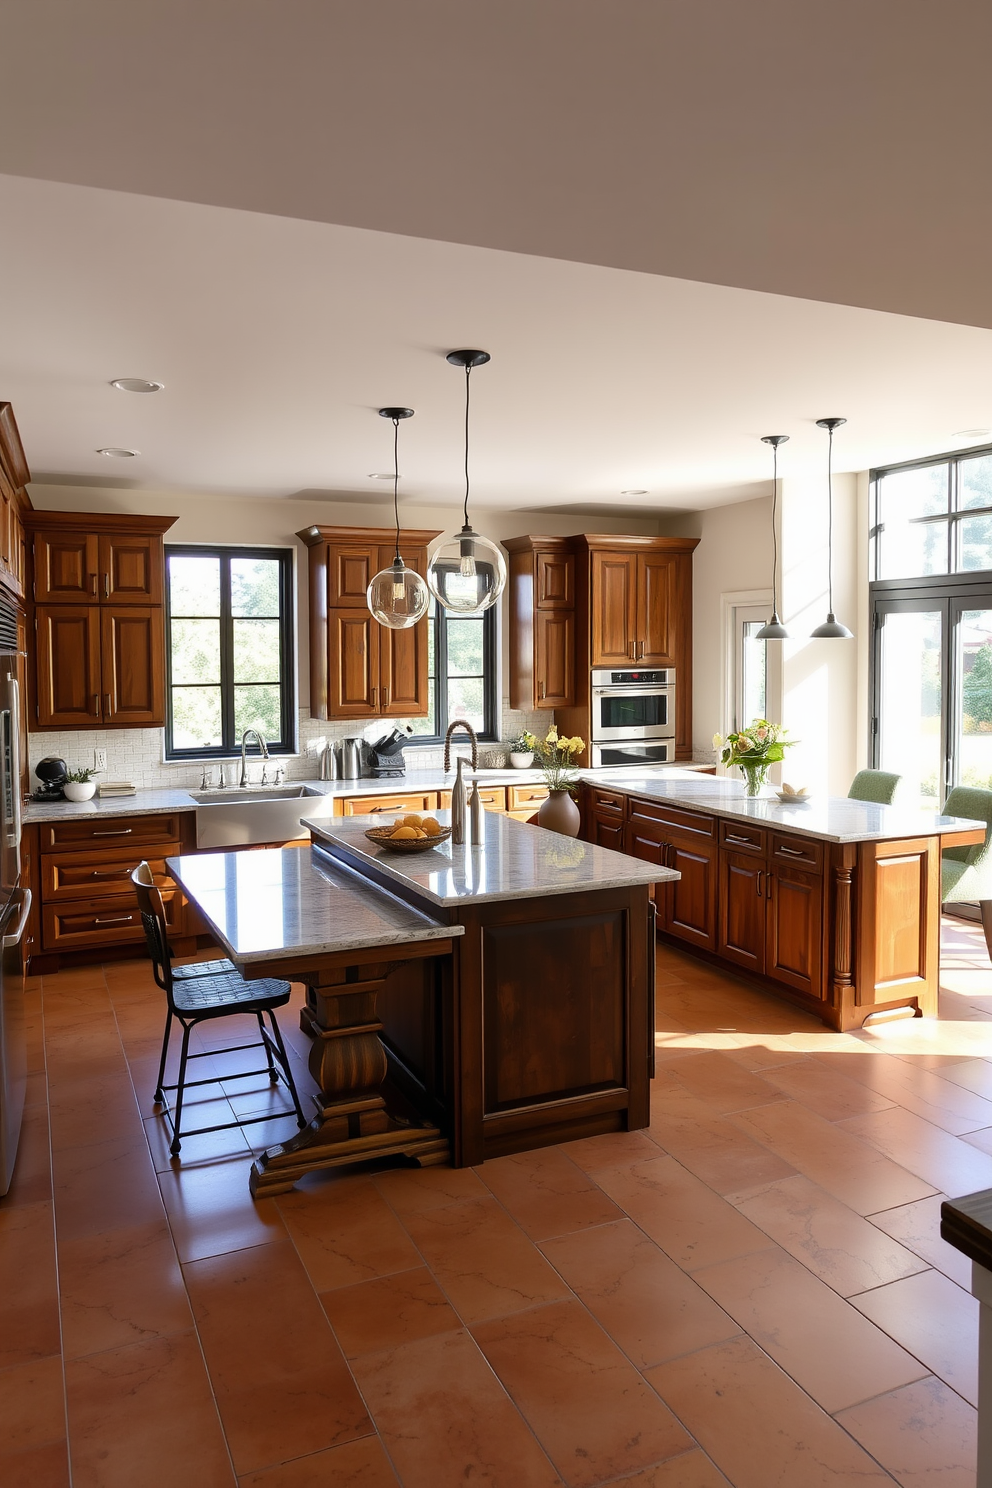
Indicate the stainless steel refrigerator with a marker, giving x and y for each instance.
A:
(15, 904)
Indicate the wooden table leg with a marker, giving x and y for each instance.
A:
(348, 1062)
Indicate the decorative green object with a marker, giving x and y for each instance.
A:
(556, 758)
(754, 749)
(878, 786)
(79, 777)
(966, 872)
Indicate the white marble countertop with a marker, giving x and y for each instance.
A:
(829, 818)
(287, 905)
(516, 861)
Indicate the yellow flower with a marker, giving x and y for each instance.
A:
(551, 737)
(717, 740)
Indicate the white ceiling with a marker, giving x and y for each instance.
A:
(277, 339)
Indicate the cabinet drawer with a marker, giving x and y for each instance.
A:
(740, 837)
(372, 805)
(673, 818)
(801, 852)
(519, 796)
(111, 831)
(76, 875)
(605, 801)
(114, 921)
(493, 798)
(526, 813)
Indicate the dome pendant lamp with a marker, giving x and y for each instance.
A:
(774, 630)
(466, 572)
(831, 629)
(398, 596)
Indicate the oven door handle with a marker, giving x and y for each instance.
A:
(14, 938)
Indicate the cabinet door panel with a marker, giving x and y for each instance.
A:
(655, 629)
(133, 666)
(613, 608)
(131, 569)
(794, 951)
(688, 909)
(349, 573)
(404, 692)
(742, 910)
(66, 568)
(554, 646)
(608, 832)
(555, 576)
(68, 666)
(353, 664)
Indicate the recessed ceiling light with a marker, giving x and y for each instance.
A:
(381, 475)
(972, 433)
(114, 453)
(136, 385)
(633, 493)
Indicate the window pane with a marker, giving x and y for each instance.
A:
(974, 646)
(465, 648)
(975, 482)
(196, 718)
(909, 550)
(906, 548)
(909, 704)
(466, 700)
(255, 586)
(903, 494)
(256, 651)
(426, 725)
(195, 650)
(258, 707)
(194, 585)
(975, 536)
(753, 680)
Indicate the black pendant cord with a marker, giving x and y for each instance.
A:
(468, 374)
(396, 484)
(774, 529)
(830, 521)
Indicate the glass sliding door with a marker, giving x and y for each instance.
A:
(971, 735)
(910, 697)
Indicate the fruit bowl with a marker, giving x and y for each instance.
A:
(383, 837)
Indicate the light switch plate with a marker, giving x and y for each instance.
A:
(99, 759)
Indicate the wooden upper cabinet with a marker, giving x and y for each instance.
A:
(14, 501)
(68, 672)
(613, 608)
(542, 635)
(66, 568)
(654, 629)
(359, 668)
(132, 568)
(555, 580)
(132, 674)
(554, 658)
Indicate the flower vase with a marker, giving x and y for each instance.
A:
(559, 813)
(755, 777)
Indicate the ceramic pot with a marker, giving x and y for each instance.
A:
(79, 790)
(559, 813)
(522, 761)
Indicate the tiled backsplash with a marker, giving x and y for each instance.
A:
(136, 754)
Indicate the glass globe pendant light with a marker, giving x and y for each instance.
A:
(466, 572)
(398, 596)
(831, 629)
(774, 630)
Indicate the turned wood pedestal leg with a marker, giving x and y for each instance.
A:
(348, 1062)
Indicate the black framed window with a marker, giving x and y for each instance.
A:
(463, 674)
(933, 516)
(229, 649)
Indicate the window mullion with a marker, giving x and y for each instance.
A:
(226, 656)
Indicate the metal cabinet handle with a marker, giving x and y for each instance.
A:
(12, 939)
(96, 705)
(761, 874)
(93, 583)
(109, 873)
(375, 695)
(108, 706)
(106, 586)
(733, 837)
(120, 832)
(793, 852)
(385, 697)
(768, 891)
(540, 691)
(115, 920)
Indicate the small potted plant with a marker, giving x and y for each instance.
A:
(556, 757)
(522, 751)
(79, 785)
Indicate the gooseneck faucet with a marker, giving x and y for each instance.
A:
(244, 753)
(460, 723)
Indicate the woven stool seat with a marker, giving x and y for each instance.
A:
(225, 992)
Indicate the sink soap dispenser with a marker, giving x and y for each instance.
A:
(459, 807)
(477, 816)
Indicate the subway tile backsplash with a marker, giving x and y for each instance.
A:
(136, 754)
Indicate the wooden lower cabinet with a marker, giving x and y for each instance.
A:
(741, 936)
(375, 805)
(78, 925)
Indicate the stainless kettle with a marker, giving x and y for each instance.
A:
(351, 759)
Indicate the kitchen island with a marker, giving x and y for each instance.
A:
(492, 998)
(833, 904)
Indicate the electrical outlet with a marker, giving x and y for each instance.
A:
(99, 759)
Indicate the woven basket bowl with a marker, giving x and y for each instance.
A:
(382, 837)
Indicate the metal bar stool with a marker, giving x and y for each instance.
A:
(209, 989)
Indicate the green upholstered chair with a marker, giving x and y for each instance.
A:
(874, 785)
(966, 872)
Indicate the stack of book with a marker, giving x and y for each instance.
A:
(115, 788)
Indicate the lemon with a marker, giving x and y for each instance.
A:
(407, 834)
(432, 827)
(413, 820)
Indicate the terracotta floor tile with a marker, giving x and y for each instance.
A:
(753, 1054)
(850, 1169)
(757, 1425)
(722, 1083)
(810, 1332)
(546, 1193)
(689, 1221)
(210, 1148)
(120, 1287)
(933, 1319)
(345, 1231)
(357, 1464)
(924, 1434)
(81, 1117)
(446, 1420)
(941, 1101)
(970, 1074)
(32, 1180)
(281, 1383)
(825, 1090)
(415, 1190)
(917, 1226)
(724, 1156)
(646, 1303)
(29, 1297)
(145, 1414)
(939, 1159)
(107, 1186)
(211, 1211)
(41, 1467)
(391, 1310)
(32, 1405)
(482, 1260)
(689, 1470)
(585, 1403)
(837, 1245)
(612, 1150)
